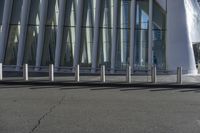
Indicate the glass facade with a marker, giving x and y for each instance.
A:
(68, 45)
(14, 32)
(87, 32)
(1, 14)
(32, 33)
(123, 34)
(105, 33)
(141, 31)
(142, 34)
(48, 53)
(159, 37)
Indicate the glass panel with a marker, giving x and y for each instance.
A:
(67, 54)
(105, 37)
(32, 33)
(159, 36)
(14, 32)
(141, 34)
(123, 37)
(1, 13)
(196, 48)
(87, 33)
(50, 32)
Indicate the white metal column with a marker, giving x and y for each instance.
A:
(114, 37)
(51, 73)
(150, 37)
(79, 19)
(5, 27)
(77, 73)
(59, 37)
(103, 74)
(23, 33)
(25, 72)
(41, 36)
(96, 35)
(1, 71)
(132, 36)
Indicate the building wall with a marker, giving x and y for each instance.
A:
(92, 33)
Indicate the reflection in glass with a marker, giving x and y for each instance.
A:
(159, 28)
(87, 32)
(123, 37)
(1, 14)
(141, 35)
(32, 33)
(50, 32)
(14, 32)
(67, 53)
(105, 37)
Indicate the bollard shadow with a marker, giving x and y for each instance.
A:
(183, 90)
(13, 86)
(190, 90)
(104, 88)
(92, 88)
(43, 87)
(179, 89)
(73, 87)
(135, 89)
(170, 89)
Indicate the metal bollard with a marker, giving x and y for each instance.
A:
(153, 74)
(77, 74)
(103, 74)
(128, 74)
(1, 71)
(51, 72)
(179, 75)
(25, 72)
(198, 68)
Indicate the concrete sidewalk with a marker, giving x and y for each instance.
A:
(111, 81)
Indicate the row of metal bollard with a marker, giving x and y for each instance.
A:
(102, 74)
(154, 75)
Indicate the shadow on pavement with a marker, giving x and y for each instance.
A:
(74, 88)
(136, 89)
(197, 90)
(104, 88)
(13, 86)
(43, 87)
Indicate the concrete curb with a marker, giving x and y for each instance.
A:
(99, 84)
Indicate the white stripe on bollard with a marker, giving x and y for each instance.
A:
(154, 74)
(1, 71)
(51, 72)
(103, 74)
(179, 75)
(77, 74)
(128, 74)
(25, 72)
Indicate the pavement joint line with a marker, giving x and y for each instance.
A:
(47, 113)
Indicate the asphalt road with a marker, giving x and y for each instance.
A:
(54, 109)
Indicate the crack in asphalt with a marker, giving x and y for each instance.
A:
(46, 114)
